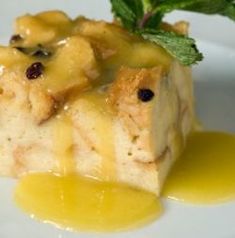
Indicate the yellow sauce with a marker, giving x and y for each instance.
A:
(63, 145)
(101, 120)
(77, 203)
(103, 128)
(205, 173)
(82, 51)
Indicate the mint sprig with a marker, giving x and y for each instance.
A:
(144, 17)
(181, 47)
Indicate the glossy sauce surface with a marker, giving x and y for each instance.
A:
(102, 114)
(81, 52)
(73, 202)
(63, 145)
(205, 173)
(77, 203)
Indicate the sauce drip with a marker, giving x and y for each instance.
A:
(79, 203)
(63, 145)
(103, 116)
(205, 173)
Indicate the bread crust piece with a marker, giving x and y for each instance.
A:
(137, 117)
(96, 128)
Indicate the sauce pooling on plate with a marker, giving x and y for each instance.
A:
(78, 203)
(205, 173)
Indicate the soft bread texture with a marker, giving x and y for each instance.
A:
(87, 124)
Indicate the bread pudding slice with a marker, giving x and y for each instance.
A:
(89, 97)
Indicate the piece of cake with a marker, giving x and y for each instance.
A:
(89, 97)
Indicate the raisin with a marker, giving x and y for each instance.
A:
(145, 95)
(15, 38)
(21, 49)
(34, 71)
(41, 53)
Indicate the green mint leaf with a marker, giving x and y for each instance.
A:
(129, 12)
(208, 6)
(153, 21)
(204, 6)
(222, 7)
(166, 6)
(137, 7)
(230, 11)
(149, 5)
(181, 47)
(124, 13)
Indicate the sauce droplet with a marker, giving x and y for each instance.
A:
(205, 173)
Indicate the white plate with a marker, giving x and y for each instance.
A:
(215, 93)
